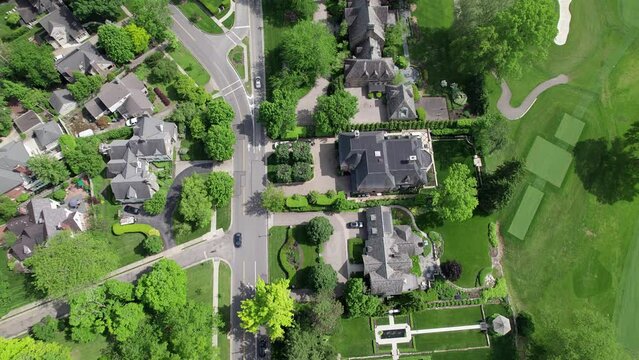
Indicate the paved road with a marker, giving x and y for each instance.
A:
(20, 320)
(515, 113)
(249, 169)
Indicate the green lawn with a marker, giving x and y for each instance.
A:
(354, 338)
(570, 130)
(200, 283)
(88, 351)
(429, 319)
(223, 217)
(449, 340)
(467, 243)
(355, 250)
(526, 212)
(448, 152)
(190, 64)
(196, 150)
(224, 307)
(236, 57)
(18, 287)
(434, 13)
(8, 33)
(197, 14)
(548, 161)
(228, 23)
(572, 230)
(276, 237)
(196, 233)
(305, 252)
(214, 7)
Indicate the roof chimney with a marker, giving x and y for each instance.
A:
(412, 158)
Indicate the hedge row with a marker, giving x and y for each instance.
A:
(450, 303)
(148, 230)
(450, 127)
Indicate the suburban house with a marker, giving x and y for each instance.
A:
(87, 60)
(381, 162)
(387, 253)
(152, 140)
(40, 137)
(400, 103)
(15, 177)
(126, 96)
(62, 101)
(30, 9)
(63, 28)
(40, 220)
(367, 21)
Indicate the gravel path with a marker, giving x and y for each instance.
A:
(515, 113)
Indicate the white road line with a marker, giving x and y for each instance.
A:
(241, 27)
(255, 272)
(228, 86)
(183, 28)
(206, 256)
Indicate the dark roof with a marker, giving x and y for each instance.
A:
(360, 72)
(85, 59)
(366, 23)
(12, 155)
(387, 253)
(27, 121)
(47, 133)
(59, 98)
(379, 163)
(62, 17)
(400, 104)
(30, 9)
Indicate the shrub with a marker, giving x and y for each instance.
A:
(22, 198)
(283, 173)
(153, 245)
(46, 329)
(341, 204)
(452, 270)
(155, 205)
(319, 230)
(312, 197)
(296, 201)
(378, 94)
(59, 195)
(444, 290)
(499, 291)
(289, 270)
(323, 277)
(9, 238)
(302, 172)
(154, 58)
(525, 324)
(421, 114)
(492, 234)
(301, 152)
(282, 153)
(416, 269)
(135, 228)
(370, 95)
(401, 62)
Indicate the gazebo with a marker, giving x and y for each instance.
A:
(501, 325)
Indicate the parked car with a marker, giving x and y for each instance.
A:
(258, 82)
(131, 210)
(262, 346)
(127, 220)
(131, 122)
(237, 240)
(355, 225)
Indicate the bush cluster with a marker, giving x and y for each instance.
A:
(294, 162)
(439, 128)
(492, 234)
(449, 303)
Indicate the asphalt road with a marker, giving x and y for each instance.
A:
(249, 169)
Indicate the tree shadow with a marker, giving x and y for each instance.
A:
(607, 170)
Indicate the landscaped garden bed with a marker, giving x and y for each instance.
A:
(291, 163)
(292, 254)
(355, 250)
(148, 230)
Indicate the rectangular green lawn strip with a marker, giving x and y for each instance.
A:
(224, 307)
(223, 216)
(354, 338)
(276, 238)
(548, 161)
(228, 23)
(189, 63)
(429, 319)
(193, 10)
(526, 212)
(449, 340)
(434, 14)
(570, 129)
(200, 283)
(355, 250)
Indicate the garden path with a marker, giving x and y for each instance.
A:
(446, 329)
(515, 113)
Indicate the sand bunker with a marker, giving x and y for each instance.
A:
(564, 22)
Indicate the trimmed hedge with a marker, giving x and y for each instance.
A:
(446, 127)
(288, 269)
(146, 229)
(492, 234)
(296, 201)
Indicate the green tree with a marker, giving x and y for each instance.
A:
(153, 245)
(197, 129)
(124, 320)
(333, 113)
(303, 9)
(301, 152)
(6, 123)
(48, 169)
(195, 204)
(84, 158)
(273, 199)
(139, 38)
(490, 133)
(46, 329)
(26, 348)
(8, 208)
(187, 90)
(116, 43)
(393, 46)
(30, 98)
(279, 115)
(307, 345)
(156, 204)
(69, 262)
(219, 112)
(154, 16)
(164, 287)
(183, 114)
(325, 313)
(32, 64)
(164, 71)
(301, 172)
(146, 344)
(271, 306)
(87, 314)
(525, 324)
(358, 303)
(319, 230)
(499, 187)
(456, 199)
(323, 277)
(100, 11)
(310, 49)
(84, 86)
(282, 153)
(283, 174)
(189, 331)
(219, 142)
(220, 188)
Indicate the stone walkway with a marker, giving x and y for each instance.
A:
(515, 113)
(446, 329)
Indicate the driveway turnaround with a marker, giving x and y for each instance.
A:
(515, 113)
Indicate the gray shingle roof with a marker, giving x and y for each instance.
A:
(59, 98)
(363, 72)
(85, 59)
(400, 103)
(27, 121)
(11, 155)
(387, 253)
(47, 133)
(366, 24)
(63, 18)
(378, 163)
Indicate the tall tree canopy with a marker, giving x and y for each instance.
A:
(271, 306)
(307, 345)
(220, 187)
(189, 331)
(358, 303)
(219, 112)
(139, 38)
(8, 208)
(195, 204)
(279, 115)
(92, 10)
(333, 113)
(154, 16)
(499, 187)
(310, 49)
(116, 43)
(273, 199)
(456, 198)
(48, 169)
(26, 348)
(219, 142)
(32, 64)
(164, 287)
(302, 9)
(84, 86)
(70, 262)
(490, 133)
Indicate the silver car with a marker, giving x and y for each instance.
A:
(258, 82)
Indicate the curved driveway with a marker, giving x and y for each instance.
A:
(515, 113)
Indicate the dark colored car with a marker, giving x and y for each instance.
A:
(132, 210)
(355, 225)
(262, 345)
(237, 240)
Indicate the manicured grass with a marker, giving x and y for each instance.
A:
(296, 202)
(236, 57)
(448, 152)
(223, 217)
(135, 228)
(429, 319)
(197, 14)
(526, 212)
(355, 250)
(572, 230)
(354, 338)
(229, 22)
(296, 133)
(570, 129)
(196, 233)
(548, 161)
(434, 13)
(190, 64)
(126, 246)
(18, 287)
(196, 150)
(449, 340)
(87, 351)
(276, 237)
(467, 243)
(8, 33)
(214, 7)
(200, 283)
(224, 308)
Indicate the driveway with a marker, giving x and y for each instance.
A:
(335, 251)
(306, 105)
(370, 110)
(325, 175)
